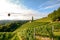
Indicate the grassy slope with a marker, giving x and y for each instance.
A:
(45, 19)
(30, 26)
(38, 23)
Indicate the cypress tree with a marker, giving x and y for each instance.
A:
(32, 19)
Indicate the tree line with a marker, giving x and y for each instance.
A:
(55, 15)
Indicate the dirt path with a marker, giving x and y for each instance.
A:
(42, 38)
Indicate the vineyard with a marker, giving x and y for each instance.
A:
(30, 31)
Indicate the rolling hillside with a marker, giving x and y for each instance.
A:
(45, 19)
(29, 31)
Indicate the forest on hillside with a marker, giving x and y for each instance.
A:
(11, 25)
(55, 15)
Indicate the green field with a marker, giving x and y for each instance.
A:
(28, 31)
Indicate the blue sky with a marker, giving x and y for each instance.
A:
(40, 5)
(27, 8)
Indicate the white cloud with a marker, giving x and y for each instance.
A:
(52, 6)
(23, 12)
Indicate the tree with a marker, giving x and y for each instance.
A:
(55, 15)
(32, 18)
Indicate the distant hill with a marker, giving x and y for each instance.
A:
(11, 25)
(11, 21)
